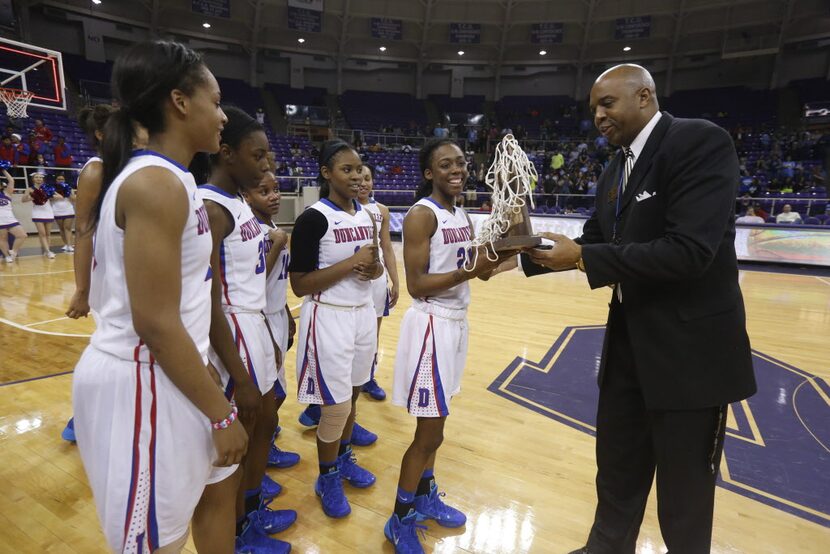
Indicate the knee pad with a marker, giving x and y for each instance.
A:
(333, 421)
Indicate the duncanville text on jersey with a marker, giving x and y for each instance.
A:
(457, 234)
(353, 234)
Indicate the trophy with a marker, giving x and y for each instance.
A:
(508, 226)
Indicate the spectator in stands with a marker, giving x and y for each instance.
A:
(486, 206)
(440, 131)
(380, 168)
(35, 147)
(787, 215)
(260, 116)
(296, 169)
(22, 150)
(760, 211)
(7, 150)
(750, 217)
(397, 169)
(557, 161)
(42, 131)
(295, 150)
(63, 157)
(40, 163)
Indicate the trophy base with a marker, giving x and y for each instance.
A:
(517, 243)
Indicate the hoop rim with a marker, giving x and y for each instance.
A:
(15, 95)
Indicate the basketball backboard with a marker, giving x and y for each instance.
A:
(35, 69)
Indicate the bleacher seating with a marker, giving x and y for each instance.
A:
(370, 110)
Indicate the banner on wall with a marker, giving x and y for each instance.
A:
(388, 29)
(212, 8)
(632, 28)
(546, 33)
(465, 33)
(305, 15)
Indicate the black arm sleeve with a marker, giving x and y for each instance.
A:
(305, 241)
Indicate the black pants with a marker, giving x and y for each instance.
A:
(633, 442)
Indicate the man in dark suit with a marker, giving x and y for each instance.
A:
(676, 352)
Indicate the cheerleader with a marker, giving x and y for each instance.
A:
(9, 225)
(153, 426)
(433, 339)
(333, 260)
(242, 348)
(42, 215)
(383, 296)
(64, 210)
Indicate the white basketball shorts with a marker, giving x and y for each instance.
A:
(432, 351)
(253, 342)
(380, 295)
(278, 322)
(147, 450)
(335, 352)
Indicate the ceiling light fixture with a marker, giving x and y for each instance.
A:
(461, 52)
(543, 52)
(96, 2)
(626, 48)
(382, 49)
(206, 25)
(301, 40)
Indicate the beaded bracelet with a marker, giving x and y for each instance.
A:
(225, 423)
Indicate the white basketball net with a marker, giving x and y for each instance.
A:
(509, 177)
(16, 102)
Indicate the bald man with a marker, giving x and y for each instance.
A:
(676, 352)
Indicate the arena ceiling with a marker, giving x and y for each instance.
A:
(583, 31)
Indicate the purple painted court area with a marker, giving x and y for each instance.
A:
(777, 450)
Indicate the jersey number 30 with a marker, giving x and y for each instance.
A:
(260, 267)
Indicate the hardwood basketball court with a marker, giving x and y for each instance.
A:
(518, 457)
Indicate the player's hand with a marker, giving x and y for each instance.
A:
(564, 254)
(78, 306)
(394, 293)
(368, 272)
(248, 401)
(368, 254)
(279, 238)
(231, 444)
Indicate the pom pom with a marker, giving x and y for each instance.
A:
(39, 197)
(5, 164)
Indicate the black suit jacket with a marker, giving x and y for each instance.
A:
(674, 254)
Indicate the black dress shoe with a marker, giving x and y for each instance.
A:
(583, 550)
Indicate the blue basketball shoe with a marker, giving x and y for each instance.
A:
(403, 533)
(329, 488)
(272, 521)
(374, 390)
(253, 540)
(282, 458)
(349, 470)
(430, 506)
(310, 416)
(362, 436)
(269, 488)
(68, 433)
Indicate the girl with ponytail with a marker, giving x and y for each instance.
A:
(334, 257)
(153, 426)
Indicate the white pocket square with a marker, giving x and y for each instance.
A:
(645, 195)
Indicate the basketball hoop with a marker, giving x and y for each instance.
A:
(16, 102)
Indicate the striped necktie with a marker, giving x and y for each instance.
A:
(629, 165)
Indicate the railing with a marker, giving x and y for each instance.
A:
(368, 138)
(22, 173)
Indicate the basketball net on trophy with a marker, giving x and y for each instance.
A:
(508, 226)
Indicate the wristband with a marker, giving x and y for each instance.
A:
(225, 423)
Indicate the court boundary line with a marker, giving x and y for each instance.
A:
(11, 323)
(6, 274)
(19, 381)
(823, 280)
(46, 321)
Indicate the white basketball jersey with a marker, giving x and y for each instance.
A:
(241, 254)
(93, 159)
(448, 251)
(373, 209)
(276, 284)
(109, 298)
(345, 235)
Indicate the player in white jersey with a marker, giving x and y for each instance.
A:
(9, 225)
(242, 350)
(265, 203)
(333, 260)
(153, 425)
(383, 296)
(433, 339)
(42, 215)
(64, 210)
